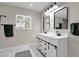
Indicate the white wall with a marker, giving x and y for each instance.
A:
(73, 40)
(20, 36)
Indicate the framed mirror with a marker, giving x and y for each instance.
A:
(61, 19)
(46, 23)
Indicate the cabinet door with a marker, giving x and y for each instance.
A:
(51, 51)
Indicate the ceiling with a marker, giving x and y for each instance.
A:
(36, 6)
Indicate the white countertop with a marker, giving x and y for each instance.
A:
(54, 35)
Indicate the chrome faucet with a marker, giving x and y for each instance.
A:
(58, 33)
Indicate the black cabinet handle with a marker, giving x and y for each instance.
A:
(45, 53)
(52, 45)
(55, 47)
(45, 43)
(44, 48)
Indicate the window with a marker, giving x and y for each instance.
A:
(23, 22)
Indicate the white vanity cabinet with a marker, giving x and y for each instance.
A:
(47, 49)
(51, 51)
(52, 47)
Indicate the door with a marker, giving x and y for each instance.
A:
(51, 51)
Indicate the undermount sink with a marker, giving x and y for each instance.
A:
(55, 35)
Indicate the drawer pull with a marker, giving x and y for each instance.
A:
(45, 48)
(55, 47)
(45, 53)
(45, 43)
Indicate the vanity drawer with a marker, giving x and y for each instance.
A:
(45, 48)
(49, 39)
(40, 43)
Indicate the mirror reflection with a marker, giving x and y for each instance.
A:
(61, 18)
(46, 23)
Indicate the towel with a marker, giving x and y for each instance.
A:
(8, 30)
(75, 28)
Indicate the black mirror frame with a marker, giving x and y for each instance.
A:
(66, 16)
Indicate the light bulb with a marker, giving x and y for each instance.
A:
(31, 4)
(55, 6)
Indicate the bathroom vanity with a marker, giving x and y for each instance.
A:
(50, 45)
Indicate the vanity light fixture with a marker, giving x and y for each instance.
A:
(55, 6)
(47, 11)
(51, 8)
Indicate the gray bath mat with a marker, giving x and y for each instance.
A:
(23, 54)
